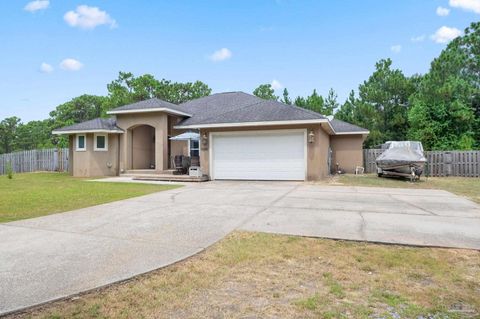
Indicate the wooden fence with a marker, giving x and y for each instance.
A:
(439, 163)
(35, 160)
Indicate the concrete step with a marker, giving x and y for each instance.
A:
(170, 178)
(140, 171)
(167, 175)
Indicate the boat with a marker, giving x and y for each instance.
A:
(401, 158)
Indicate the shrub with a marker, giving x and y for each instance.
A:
(9, 170)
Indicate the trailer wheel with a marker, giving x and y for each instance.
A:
(380, 174)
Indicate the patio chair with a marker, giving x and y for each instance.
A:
(178, 164)
(181, 164)
(185, 163)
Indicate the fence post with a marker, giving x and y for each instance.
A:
(448, 160)
(55, 160)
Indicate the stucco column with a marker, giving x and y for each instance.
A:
(161, 143)
(204, 152)
(71, 141)
(126, 150)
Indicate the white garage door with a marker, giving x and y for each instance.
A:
(278, 155)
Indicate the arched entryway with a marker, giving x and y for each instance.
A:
(142, 147)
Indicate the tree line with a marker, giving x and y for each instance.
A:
(440, 108)
(126, 89)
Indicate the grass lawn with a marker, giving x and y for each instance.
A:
(463, 186)
(36, 194)
(256, 275)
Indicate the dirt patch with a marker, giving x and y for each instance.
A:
(255, 275)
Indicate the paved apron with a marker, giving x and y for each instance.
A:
(47, 258)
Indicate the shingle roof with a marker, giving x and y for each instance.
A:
(98, 124)
(148, 104)
(228, 108)
(344, 127)
(239, 107)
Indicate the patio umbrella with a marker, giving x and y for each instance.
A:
(186, 136)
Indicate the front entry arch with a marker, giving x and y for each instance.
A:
(149, 152)
(142, 147)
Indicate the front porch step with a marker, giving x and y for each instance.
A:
(166, 175)
(169, 178)
(140, 171)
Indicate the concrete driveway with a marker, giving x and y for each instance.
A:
(51, 257)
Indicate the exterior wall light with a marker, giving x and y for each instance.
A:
(204, 141)
(311, 137)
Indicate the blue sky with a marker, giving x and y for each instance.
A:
(301, 45)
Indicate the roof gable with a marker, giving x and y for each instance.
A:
(150, 105)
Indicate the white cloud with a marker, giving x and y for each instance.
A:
(71, 65)
(468, 5)
(36, 5)
(445, 34)
(221, 55)
(46, 68)
(419, 38)
(396, 48)
(443, 12)
(276, 85)
(86, 17)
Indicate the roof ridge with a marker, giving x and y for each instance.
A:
(208, 96)
(166, 104)
(298, 108)
(227, 92)
(304, 109)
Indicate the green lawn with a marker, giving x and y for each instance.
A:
(463, 186)
(256, 275)
(36, 194)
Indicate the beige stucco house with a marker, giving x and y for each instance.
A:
(238, 137)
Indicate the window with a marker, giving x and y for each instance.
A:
(81, 143)
(194, 149)
(101, 142)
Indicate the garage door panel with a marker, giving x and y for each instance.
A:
(259, 156)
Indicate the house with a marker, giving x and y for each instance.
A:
(239, 136)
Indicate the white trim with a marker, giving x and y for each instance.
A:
(157, 109)
(242, 124)
(272, 123)
(305, 152)
(211, 135)
(267, 123)
(331, 127)
(86, 131)
(95, 148)
(210, 156)
(352, 133)
(84, 148)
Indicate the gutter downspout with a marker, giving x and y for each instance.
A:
(118, 154)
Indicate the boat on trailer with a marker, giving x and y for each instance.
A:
(401, 158)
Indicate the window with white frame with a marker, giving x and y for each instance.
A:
(100, 142)
(194, 149)
(81, 143)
